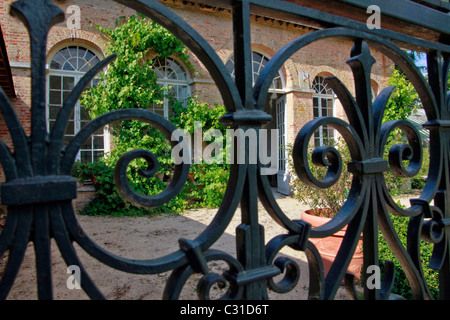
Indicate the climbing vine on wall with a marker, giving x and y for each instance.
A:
(131, 82)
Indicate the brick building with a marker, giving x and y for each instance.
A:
(298, 94)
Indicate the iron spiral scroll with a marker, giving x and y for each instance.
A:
(38, 188)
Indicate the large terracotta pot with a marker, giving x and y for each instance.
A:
(329, 246)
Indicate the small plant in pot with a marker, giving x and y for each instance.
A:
(324, 204)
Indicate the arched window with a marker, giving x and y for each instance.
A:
(67, 67)
(74, 58)
(323, 106)
(173, 77)
(259, 64)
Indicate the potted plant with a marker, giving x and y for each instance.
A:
(324, 204)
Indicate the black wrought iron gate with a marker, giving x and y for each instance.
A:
(38, 188)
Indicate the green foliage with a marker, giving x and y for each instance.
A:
(206, 189)
(418, 182)
(198, 112)
(401, 284)
(332, 198)
(210, 179)
(404, 98)
(108, 201)
(131, 82)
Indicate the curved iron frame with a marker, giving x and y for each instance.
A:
(38, 188)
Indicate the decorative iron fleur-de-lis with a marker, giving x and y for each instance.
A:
(366, 137)
(369, 202)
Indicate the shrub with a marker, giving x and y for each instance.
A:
(205, 190)
(131, 82)
(332, 198)
(401, 284)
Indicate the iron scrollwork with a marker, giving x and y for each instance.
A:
(40, 162)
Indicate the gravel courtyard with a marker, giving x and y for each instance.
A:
(148, 238)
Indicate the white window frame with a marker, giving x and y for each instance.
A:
(256, 73)
(329, 95)
(168, 83)
(77, 75)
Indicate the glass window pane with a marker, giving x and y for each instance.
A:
(171, 64)
(68, 83)
(74, 58)
(98, 142)
(99, 132)
(68, 66)
(65, 53)
(81, 52)
(316, 112)
(70, 128)
(255, 69)
(94, 61)
(183, 92)
(259, 63)
(230, 66)
(86, 156)
(80, 62)
(55, 82)
(160, 73)
(159, 111)
(98, 155)
(323, 103)
(256, 56)
(315, 102)
(181, 75)
(330, 106)
(55, 97)
(330, 133)
(73, 51)
(172, 74)
(57, 62)
(85, 66)
(53, 112)
(55, 65)
(84, 114)
(87, 144)
(67, 139)
(60, 58)
(83, 124)
(89, 55)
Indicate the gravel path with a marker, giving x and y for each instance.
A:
(148, 238)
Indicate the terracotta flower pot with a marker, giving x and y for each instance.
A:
(329, 246)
